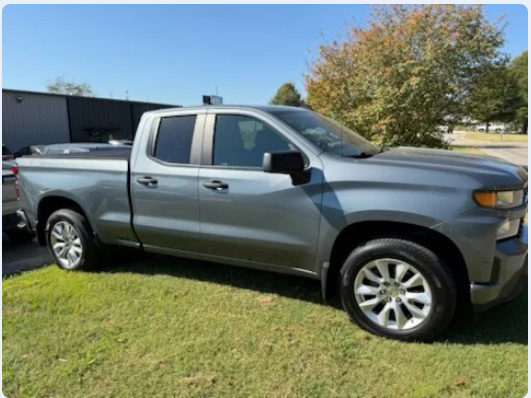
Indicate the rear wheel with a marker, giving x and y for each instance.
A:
(398, 289)
(71, 241)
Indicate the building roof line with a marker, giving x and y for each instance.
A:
(11, 90)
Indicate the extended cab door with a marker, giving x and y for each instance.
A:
(247, 213)
(164, 172)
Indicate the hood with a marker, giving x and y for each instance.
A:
(491, 171)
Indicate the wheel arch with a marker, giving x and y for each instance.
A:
(355, 234)
(50, 204)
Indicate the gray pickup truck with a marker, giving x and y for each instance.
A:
(406, 236)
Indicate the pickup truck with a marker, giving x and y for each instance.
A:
(405, 236)
(11, 224)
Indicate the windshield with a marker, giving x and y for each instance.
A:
(327, 134)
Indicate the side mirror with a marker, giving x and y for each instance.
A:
(283, 162)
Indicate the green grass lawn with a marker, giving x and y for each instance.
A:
(164, 327)
(496, 137)
(467, 149)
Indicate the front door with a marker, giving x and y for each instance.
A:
(247, 213)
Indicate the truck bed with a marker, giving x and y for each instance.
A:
(98, 181)
(112, 153)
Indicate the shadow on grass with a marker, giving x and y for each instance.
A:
(504, 324)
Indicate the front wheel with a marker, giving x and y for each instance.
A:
(399, 289)
(71, 241)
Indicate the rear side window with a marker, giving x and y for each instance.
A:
(174, 139)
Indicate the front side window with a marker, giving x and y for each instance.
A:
(174, 139)
(241, 141)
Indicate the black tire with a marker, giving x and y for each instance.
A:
(91, 251)
(426, 262)
(19, 236)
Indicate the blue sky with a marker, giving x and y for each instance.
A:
(174, 54)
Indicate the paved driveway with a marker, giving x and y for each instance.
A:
(515, 152)
(23, 257)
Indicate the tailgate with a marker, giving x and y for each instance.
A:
(8, 185)
(9, 199)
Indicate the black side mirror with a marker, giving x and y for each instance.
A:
(283, 162)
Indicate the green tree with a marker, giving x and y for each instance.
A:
(495, 96)
(519, 69)
(406, 72)
(288, 95)
(60, 85)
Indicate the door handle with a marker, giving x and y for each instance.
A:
(147, 181)
(216, 185)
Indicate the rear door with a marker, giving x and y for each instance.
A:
(249, 214)
(164, 182)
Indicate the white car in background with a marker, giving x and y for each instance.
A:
(493, 128)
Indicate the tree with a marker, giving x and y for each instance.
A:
(405, 73)
(288, 95)
(61, 86)
(519, 69)
(495, 96)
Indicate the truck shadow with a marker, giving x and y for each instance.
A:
(503, 324)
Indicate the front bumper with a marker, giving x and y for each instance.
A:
(508, 277)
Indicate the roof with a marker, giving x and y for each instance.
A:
(263, 108)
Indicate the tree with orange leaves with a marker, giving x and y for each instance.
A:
(407, 73)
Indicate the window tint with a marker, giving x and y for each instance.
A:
(174, 139)
(242, 141)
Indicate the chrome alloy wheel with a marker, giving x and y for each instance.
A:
(393, 294)
(66, 244)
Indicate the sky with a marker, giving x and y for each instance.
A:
(174, 54)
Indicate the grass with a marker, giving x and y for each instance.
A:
(163, 327)
(496, 137)
(467, 149)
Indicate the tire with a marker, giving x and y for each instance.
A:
(403, 294)
(73, 229)
(19, 236)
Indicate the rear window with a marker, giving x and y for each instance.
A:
(174, 139)
(5, 150)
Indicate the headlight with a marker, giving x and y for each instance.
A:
(508, 229)
(499, 199)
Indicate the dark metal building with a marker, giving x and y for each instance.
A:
(32, 118)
